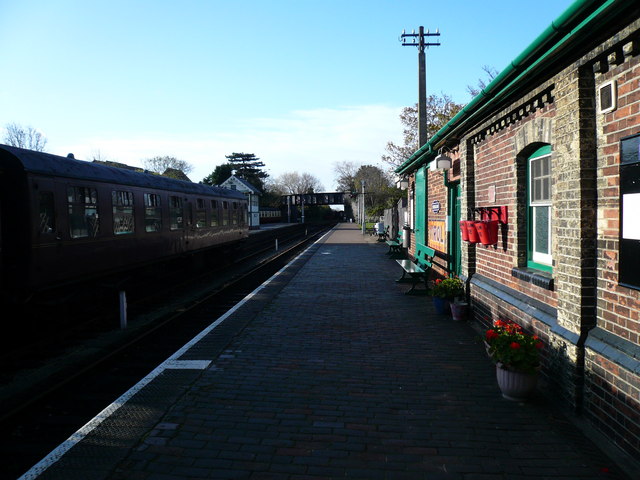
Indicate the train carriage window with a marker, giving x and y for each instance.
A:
(225, 213)
(176, 220)
(46, 211)
(214, 213)
(235, 213)
(152, 213)
(83, 212)
(122, 203)
(201, 213)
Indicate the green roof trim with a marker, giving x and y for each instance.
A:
(568, 28)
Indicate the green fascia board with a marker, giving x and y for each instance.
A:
(562, 30)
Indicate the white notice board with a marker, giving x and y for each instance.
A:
(631, 216)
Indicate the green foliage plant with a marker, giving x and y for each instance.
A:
(449, 288)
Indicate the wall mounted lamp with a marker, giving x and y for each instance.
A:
(441, 162)
(402, 183)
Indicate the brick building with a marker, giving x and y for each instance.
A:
(550, 149)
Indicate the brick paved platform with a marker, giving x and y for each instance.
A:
(330, 371)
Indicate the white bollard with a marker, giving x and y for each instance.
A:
(276, 244)
(123, 309)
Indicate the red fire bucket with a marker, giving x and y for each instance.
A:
(463, 230)
(472, 233)
(488, 232)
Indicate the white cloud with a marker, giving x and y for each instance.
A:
(303, 141)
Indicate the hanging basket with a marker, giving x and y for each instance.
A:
(487, 231)
(472, 233)
(463, 230)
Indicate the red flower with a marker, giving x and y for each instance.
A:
(539, 345)
(514, 345)
(491, 334)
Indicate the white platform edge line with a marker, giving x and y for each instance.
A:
(57, 453)
(188, 364)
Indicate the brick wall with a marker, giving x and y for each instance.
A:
(612, 383)
(589, 322)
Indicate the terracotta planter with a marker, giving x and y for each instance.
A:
(517, 386)
(463, 230)
(487, 231)
(458, 311)
(472, 233)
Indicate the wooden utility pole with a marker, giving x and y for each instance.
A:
(417, 40)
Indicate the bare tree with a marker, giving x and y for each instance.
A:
(345, 172)
(295, 183)
(24, 137)
(162, 164)
(98, 156)
(491, 74)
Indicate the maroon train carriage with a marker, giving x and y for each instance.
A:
(63, 220)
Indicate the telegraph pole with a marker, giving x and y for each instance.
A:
(417, 40)
(363, 209)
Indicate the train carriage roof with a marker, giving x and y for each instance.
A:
(47, 164)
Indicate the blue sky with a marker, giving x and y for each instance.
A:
(300, 84)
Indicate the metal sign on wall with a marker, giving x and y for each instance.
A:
(437, 234)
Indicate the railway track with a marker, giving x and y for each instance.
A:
(71, 389)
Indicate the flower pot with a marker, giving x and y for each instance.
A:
(487, 231)
(458, 311)
(517, 386)
(441, 305)
(463, 230)
(472, 233)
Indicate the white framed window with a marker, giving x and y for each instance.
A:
(539, 208)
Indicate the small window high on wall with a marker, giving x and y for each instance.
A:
(629, 259)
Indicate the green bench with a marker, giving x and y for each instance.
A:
(395, 246)
(417, 269)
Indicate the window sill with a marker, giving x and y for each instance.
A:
(536, 277)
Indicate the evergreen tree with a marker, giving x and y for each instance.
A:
(219, 175)
(248, 167)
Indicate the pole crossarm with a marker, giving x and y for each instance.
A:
(417, 39)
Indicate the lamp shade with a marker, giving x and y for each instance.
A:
(402, 184)
(443, 162)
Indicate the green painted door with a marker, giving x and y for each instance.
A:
(421, 206)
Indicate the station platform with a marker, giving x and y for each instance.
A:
(329, 371)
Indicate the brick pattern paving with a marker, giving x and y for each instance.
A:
(343, 376)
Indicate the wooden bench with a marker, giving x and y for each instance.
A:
(395, 246)
(417, 269)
